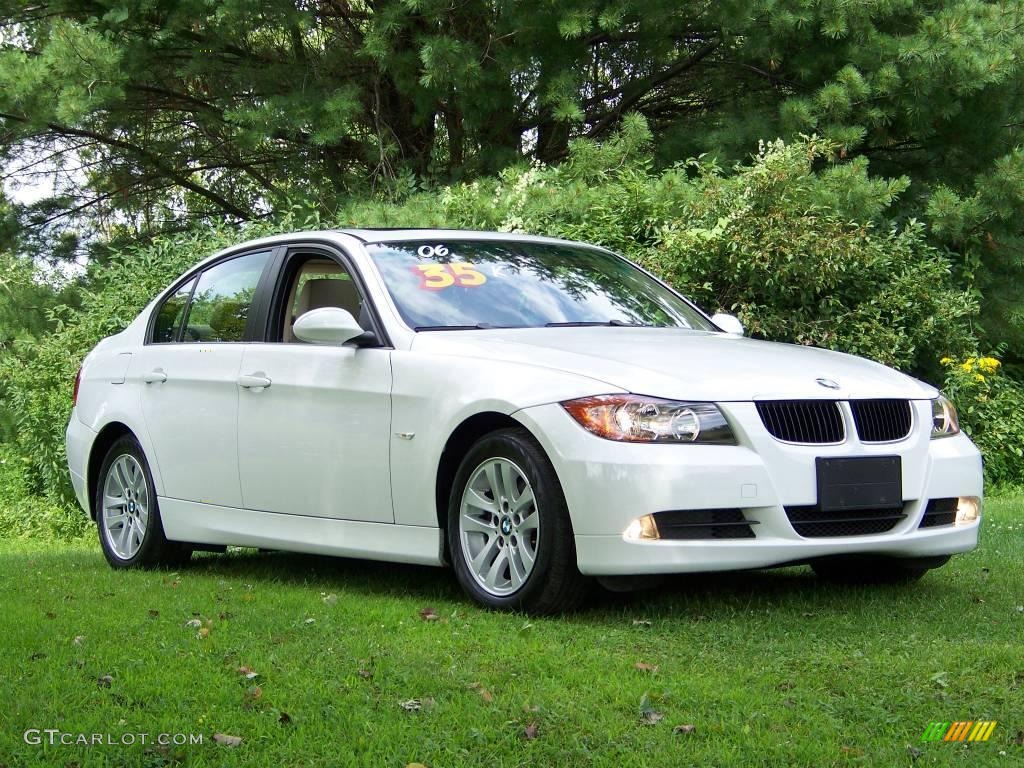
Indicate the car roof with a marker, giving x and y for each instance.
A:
(395, 234)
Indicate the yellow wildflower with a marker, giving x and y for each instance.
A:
(978, 377)
(946, 361)
(988, 364)
(968, 364)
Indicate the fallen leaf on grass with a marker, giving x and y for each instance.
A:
(651, 717)
(51, 615)
(854, 751)
(104, 681)
(644, 667)
(247, 672)
(284, 718)
(1018, 739)
(914, 752)
(429, 614)
(37, 656)
(648, 714)
(309, 621)
(685, 729)
(153, 613)
(411, 705)
(365, 674)
(641, 622)
(330, 599)
(785, 685)
(253, 694)
(415, 765)
(194, 623)
(226, 740)
(78, 639)
(531, 731)
(484, 693)
(203, 633)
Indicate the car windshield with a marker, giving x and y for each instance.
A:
(465, 284)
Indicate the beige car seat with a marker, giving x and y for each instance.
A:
(324, 292)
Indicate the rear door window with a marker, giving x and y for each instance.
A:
(168, 317)
(220, 305)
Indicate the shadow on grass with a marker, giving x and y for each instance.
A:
(702, 596)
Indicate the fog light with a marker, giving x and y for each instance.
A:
(968, 509)
(642, 528)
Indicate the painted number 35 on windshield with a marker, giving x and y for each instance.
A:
(439, 276)
(436, 277)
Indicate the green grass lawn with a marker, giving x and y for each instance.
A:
(771, 668)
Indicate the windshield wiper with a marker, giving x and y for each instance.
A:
(590, 323)
(476, 327)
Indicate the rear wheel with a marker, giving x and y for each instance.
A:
(876, 570)
(127, 513)
(509, 532)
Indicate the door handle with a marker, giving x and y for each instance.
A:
(255, 381)
(156, 376)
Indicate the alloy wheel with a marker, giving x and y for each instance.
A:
(125, 506)
(499, 526)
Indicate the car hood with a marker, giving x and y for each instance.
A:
(683, 364)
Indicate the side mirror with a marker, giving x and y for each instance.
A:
(329, 325)
(728, 323)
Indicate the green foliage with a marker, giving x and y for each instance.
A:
(801, 250)
(800, 255)
(205, 111)
(991, 409)
(27, 516)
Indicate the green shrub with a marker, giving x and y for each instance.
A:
(991, 409)
(23, 515)
(801, 250)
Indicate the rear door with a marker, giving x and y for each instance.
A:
(188, 376)
(314, 438)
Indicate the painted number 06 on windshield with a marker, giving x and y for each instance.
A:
(436, 277)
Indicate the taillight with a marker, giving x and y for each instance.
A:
(78, 381)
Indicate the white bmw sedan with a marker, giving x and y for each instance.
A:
(534, 412)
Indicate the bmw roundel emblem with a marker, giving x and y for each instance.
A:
(828, 383)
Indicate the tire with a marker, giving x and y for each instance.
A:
(511, 550)
(126, 483)
(875, 570)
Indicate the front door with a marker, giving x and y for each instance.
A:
(314, 421)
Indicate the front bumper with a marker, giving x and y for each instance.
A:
(607, 485)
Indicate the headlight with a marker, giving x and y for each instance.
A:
(639, 419)
(944, 419)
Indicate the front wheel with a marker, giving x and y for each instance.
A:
(509, 531)
(876, 570)
(127, 512)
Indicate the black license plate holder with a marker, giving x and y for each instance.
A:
(861, 482)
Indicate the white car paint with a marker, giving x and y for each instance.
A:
(340, 453)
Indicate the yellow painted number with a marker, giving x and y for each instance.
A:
(436, 277)
(467, 276)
